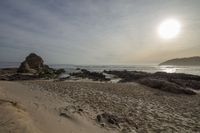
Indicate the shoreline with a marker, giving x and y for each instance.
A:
(87, 101)
(178, 83)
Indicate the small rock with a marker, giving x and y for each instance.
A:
(108, 118)
(80, 110)
(99, 118)
(102, 125)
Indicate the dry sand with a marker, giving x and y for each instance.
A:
(25, 109)
(137, 108)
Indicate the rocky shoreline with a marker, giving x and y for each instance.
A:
(177, 83)
(140, 102)
(31, 68)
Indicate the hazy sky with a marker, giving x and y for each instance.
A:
(97, 31)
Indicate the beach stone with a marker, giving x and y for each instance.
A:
(99, 118)
(102, 125)
(108, 119)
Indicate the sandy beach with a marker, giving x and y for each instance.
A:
(47, 106)
(99, 66)
(29, 109)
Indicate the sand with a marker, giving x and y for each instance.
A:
(64, 107)
(29, 110)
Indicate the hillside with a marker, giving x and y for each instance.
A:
(190, 61)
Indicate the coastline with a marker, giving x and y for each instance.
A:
(39, 99)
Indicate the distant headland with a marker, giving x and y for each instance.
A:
(189, 61)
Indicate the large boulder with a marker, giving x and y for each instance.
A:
(32, 64)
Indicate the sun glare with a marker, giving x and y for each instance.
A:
(169, 28)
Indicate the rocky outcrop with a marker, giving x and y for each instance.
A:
(128, 76)
(32, 64)
(18, 76)
(190, 61)
(96, 76)
(165, 86)
(32, 68)
(6, 71)
(178, 83)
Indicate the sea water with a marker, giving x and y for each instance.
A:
(195, 70)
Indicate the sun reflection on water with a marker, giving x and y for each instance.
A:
(168, 69)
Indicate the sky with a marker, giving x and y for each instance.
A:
(97, 31)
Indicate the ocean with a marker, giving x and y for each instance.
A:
(195, 70)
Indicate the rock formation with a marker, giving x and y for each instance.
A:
(32, 64)
(31, 68)
(178, 83)
(95, 76)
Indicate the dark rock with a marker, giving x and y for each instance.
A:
(128, 76)
(102, 125)
(32, 64)
(78, 68)
(80, 110)
(14, 77)
(96, 76)
(112, 121)
(187, 83)
(178, 83)
(60, 71)
(47, 73)
(64, 114)
(165, 86)
(99, 118)
(108, 118)
(171, 76)
(5, 71)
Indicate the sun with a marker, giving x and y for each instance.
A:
(169, 28)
